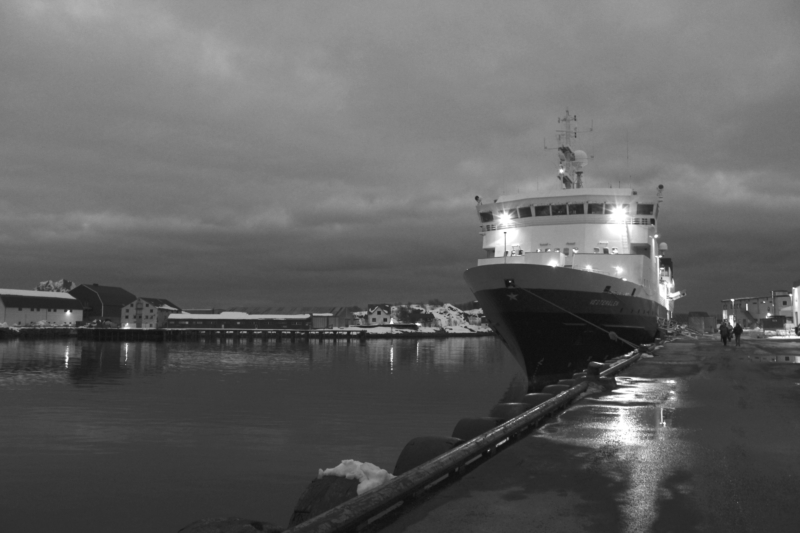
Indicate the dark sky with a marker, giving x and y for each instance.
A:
(328, 153)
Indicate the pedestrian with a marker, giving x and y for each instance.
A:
(737, 330)
(724, 332)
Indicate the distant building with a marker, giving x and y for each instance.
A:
(378, 315)
(238, 320)
(148, 313)
(102, 302)
(750, 311)
(321, 317)
(25, 308)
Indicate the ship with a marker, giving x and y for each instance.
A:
(573, 274)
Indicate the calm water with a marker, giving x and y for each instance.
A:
(98, 437)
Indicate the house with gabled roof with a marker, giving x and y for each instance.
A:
(148, 313)
(102, 302)
(379, 315)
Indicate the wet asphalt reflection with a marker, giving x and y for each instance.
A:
(632, 429)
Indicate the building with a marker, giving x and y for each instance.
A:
(148, 313)
(321, 317)
(378, 315)
(750, 311)
(101, 302)
(238, 320)
(27, 308)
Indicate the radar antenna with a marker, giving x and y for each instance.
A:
(571, 162)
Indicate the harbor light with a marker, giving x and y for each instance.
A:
(589, 268)
(553, 263)
(618, 269)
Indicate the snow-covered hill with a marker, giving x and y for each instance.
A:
(62, 285)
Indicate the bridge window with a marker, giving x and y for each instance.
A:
(644, 209)
(524, 212)
(486, 217)
(512, 214)
(542, 210)
(575, 209)
(560, 209)
(596, 209)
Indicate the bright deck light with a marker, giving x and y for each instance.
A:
(553, 263)
(504, 218)
(589, 268)
(619, 213)
(618, 269)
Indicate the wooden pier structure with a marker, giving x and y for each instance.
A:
(238, 335)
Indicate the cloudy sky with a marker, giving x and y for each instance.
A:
(328, 153)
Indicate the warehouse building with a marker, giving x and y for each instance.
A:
(101, 302)
(28, 308)
(239, 320)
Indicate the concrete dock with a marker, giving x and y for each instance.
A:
(699, 437)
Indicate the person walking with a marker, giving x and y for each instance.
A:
(724, 332)
(737, 331)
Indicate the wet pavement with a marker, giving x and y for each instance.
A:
(700, 437)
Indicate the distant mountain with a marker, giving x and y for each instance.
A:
(62, 285)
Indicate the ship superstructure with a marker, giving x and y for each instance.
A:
(572, 275)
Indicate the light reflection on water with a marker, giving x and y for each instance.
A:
(217, 428)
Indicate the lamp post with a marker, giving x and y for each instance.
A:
(505, 249)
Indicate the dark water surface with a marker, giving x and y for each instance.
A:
(100, 437)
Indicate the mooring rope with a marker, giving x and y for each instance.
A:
(611, 334)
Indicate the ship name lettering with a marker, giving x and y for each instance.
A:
(609, 303)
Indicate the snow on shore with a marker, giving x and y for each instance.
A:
(368, 475)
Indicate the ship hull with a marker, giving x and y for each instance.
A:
(556, 320)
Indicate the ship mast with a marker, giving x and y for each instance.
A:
(571, 162)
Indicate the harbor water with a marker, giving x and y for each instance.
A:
(131, 437)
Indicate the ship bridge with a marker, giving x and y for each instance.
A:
(608, 231)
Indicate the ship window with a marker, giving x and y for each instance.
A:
(597, 250)
(542, 210)
(524, 212)
(566, 251)
(575, 209)
(486, 217)
(595, 209)
(644, 209)
(512, 214)
(560, 209)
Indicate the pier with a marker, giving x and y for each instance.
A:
(700, 437)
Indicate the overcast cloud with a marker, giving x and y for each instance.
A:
(328, 153)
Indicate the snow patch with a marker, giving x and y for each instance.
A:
(368, 475)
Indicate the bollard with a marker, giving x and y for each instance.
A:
(323, 494)
(420, 450)
(469, 428)
(507, 411)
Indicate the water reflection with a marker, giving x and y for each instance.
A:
(238, 426)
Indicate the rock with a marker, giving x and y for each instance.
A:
(321, 495)
(230, 525)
